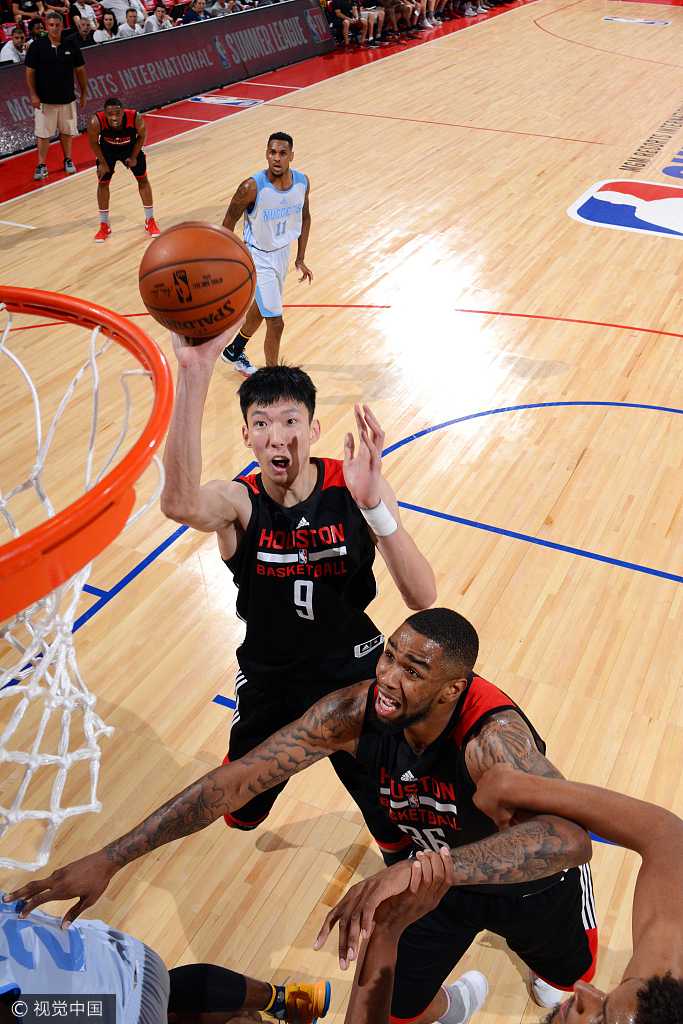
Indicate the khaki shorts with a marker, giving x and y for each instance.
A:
(54, 117)
(365, 11)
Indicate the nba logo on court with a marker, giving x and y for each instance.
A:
(642, 206)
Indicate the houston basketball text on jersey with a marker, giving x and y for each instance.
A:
(305, 552)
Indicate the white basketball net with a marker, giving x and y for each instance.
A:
(44, 673)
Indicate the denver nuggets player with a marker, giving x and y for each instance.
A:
(275, 207)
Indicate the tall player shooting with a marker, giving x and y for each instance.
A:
(299, 539)
(276, 213)
(115, 135)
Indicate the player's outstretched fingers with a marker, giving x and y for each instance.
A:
(374, 425)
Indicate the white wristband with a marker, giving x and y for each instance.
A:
(380, 520)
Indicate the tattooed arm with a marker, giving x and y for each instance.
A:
(334, 723)
(243, 199)
(535, 848)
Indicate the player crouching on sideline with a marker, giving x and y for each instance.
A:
(116, 134)
(94, 959)
(428, 729)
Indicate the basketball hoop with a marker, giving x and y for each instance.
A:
(43, 571)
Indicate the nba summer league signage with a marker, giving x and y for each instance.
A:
(152, 70)
(642, 206)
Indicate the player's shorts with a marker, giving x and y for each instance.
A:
(112, 154)
(56, 117)
(365, 11)
(553, 931)
(271, 271)
(258, 715)
(155, 988)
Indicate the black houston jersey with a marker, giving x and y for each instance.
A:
(123, 136)
(304, 575)
(430, 797)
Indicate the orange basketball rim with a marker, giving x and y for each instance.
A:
(43, 558)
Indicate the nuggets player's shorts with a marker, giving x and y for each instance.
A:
(271, 270)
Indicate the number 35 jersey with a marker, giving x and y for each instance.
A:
(276, 218)
(304, 576)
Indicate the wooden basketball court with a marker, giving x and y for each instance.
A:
(528, 371)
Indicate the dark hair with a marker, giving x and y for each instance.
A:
(272, 384)
(159, 4)
(18, 28)
(454, 634)
(35, 21)
(115, 26)
(114, 101)
(53, 15)
(660, 1001)
(282, 137)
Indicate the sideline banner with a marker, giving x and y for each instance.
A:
(152, 70)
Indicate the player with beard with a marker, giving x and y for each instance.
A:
(428, 729)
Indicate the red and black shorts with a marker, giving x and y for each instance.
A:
(553, 931)
(113, 153)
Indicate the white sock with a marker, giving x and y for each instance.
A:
(456, 1013)
(104, 216)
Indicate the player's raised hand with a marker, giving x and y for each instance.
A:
(494, 796)
(86, 879)
(356, 909)
(200, 351)
(362, 468)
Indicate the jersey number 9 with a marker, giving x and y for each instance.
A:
(303, 598)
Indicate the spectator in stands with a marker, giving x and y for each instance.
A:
(15, 49)
(22, 9)
(346, 14)
(131, 28)
(374, 16)
(108, 29)
(159, 20)
(36, 29)
(223, 7)
(84, 35)
(119, 7)
(195, 12)
(50, 65)
(61, 6)
(81, 9)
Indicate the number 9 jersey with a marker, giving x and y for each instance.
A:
(304, 575)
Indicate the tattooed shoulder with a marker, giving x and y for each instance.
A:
(244, 197)
(339, 716)
(506, 738)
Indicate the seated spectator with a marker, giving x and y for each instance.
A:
(36, 29)
(84, 34)
(119, 7)
(15, 49)
(159, 20)
(61, 6)
(26, 9)
(221, 8)
(346, 14)
(131, 28)
(195, 12)
(374, 16)
(108, 29)
(81, 9)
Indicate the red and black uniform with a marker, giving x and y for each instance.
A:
(117, 144)
(550, 922)
(304, 576)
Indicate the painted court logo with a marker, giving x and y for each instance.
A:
(645, 207)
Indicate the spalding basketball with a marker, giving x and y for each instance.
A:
(197, 279)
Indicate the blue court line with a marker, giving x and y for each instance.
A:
(94, 590)
(226, 702)
(565, 548)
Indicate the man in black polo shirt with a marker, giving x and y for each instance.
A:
(50, 64)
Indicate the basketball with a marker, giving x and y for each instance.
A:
(197, 279)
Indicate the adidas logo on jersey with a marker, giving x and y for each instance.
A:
(408, 777)
(304, 522)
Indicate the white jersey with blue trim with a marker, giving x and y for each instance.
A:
(276, 218)
(37, 957)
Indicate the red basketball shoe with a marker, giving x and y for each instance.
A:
(103, 233)
(151, 227)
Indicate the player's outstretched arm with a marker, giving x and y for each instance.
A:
(370, 999)
(216, 506)
(334, 723)
(410, 570)
(243, 199)
(652, 831)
